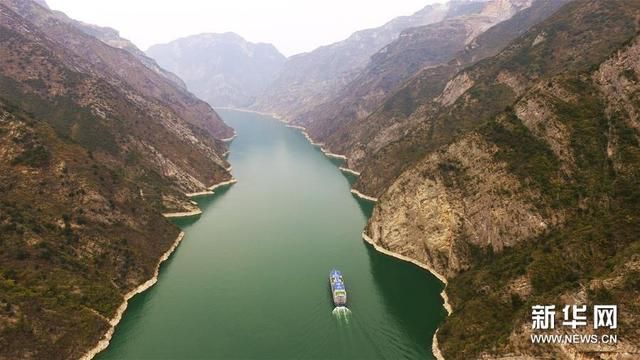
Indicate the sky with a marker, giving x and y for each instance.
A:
(293, 26)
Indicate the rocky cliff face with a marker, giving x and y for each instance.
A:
(357, 134)
(94, 147)
(112, 37)
(127, 69)
(223, 69)
(417, 48)
(518, 181)
(310, 79)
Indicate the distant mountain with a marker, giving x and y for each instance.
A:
(313, 78)
(223, 69)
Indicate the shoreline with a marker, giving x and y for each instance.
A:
(103, 343)
(310, 140)
(210, 191)
(183, 214)
(201, 193)
(434, 342)
(332, 155)
(435, 347)
(349, 171)
(230, 139)
(224, 183)
(363, 196)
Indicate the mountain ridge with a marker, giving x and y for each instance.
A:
(109, 152)
(417, 48)
(224, 69)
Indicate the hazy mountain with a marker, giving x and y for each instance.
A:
(310, 79)
(223, 69)
(95, 147)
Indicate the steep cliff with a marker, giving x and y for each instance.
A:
(222, 69)
(94, 147)
(112, 37)
(121, 67)
(416, 48)
(357, 136)
(518, 180)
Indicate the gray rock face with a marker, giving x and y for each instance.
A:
(223, 69)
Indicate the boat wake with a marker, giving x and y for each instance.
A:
(342, 313)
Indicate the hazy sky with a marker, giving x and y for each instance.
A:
(293, 26)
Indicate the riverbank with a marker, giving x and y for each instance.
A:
(202, 193)
(363, 196)
(229, 139)
(349, 171)
(443, 294)
(210, 191)
(104, 342)
(184, 214)
(435, 347)
(224, 183)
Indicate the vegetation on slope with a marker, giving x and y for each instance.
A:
(554, 220)
(598, 241)
(88, 164)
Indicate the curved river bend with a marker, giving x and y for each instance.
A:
(250, 280)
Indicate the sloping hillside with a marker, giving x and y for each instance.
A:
(459, 40)
(518, 180)
(119, 64)
(90, 159)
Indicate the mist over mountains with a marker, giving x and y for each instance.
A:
(223, 69)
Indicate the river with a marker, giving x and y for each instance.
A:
(250, 279)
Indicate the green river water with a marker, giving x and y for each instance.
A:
(250, 280)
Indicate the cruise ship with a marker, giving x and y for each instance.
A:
(338, 290)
